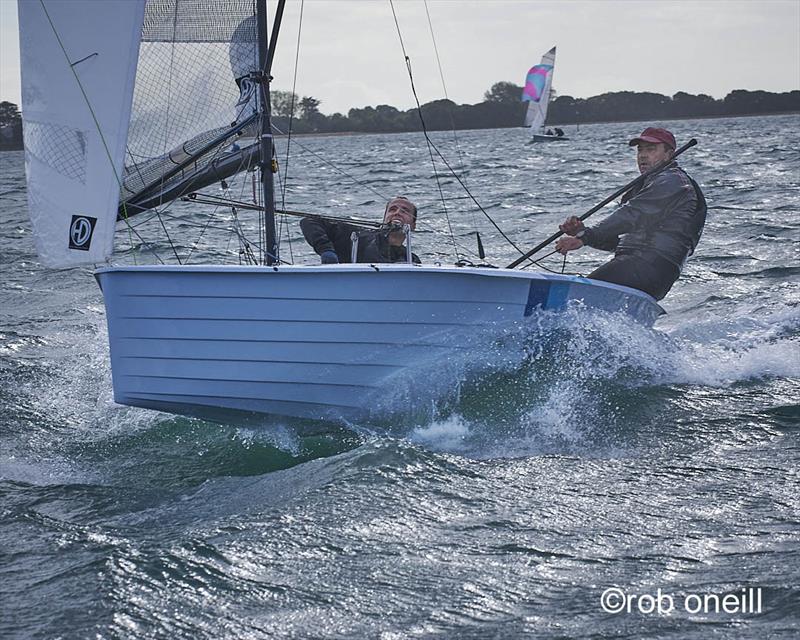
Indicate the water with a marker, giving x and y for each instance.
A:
(610, 457)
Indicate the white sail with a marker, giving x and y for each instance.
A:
(537, 91)
(78, 60)
(193, 87)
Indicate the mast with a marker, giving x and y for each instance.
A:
(265, 53)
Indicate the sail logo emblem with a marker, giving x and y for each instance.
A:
(80, 232)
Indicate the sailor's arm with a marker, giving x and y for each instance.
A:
(319, 234)
(577, 237)
(646, 206)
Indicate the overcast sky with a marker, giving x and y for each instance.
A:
(350, 54)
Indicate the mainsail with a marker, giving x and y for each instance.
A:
(194, 96)
(537, 90)
(78, 65)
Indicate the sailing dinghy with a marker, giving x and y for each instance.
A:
(240, 342)
(536, 93)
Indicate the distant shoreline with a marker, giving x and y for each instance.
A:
(331, 134)
(561, 124)
(500, 109)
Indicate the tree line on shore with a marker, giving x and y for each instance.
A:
(501, 107)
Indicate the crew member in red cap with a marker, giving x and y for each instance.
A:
(655, 230)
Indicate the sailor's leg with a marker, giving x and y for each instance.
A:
(652, 274)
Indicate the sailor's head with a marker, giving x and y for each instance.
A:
(653, 147)
(400, 210)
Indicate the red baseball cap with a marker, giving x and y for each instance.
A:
(654, 134)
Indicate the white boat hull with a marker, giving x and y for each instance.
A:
(338, 343)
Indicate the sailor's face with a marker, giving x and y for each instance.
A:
(400, 211)
(651, 154)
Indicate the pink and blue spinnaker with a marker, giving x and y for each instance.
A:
(535, 82)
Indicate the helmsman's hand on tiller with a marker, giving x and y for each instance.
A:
(567, 244)
(571, 226)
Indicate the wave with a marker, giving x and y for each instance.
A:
(564, 382)
(580, 378)
(769, 272)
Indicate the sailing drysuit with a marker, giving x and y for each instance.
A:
(652, 234)
(373, 246)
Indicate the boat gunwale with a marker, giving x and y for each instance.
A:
(372, 268)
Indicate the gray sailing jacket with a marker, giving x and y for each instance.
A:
(665, 216)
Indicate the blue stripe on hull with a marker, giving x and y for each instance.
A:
(544, 294)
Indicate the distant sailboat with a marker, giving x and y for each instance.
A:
(537, 94)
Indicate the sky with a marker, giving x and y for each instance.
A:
(350, 53)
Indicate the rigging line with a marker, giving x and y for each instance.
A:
(202, 232)
(217, 200)
(147, 244)
(291, 106)
(257, 193)
(143, 221)
(449, 110)
(169, 239)
(236, 229)
(284, 222)
(439, 153)
(208, 223)
(245, 245)
(188, 223)
(477, 204)
(141, 177)
(447, 97)
(537, 263)
(88, 104)
(424, 130)
(285, 181)
(333, 166)
(158, 212)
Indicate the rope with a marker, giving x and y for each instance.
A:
(431, 145)
(333, 166)
(285, 181)
(425, 131)
(158, 212)
(447, 97)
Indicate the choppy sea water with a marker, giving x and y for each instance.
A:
(661, 463)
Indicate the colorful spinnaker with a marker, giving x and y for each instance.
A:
(535, 82)
(537, 91)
